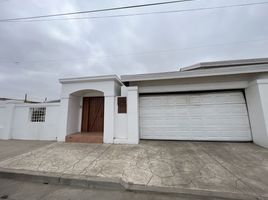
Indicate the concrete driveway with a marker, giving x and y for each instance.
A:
(11, 148)
(223, 167)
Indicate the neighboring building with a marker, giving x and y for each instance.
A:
(214, 101)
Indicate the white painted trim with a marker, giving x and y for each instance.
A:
(227, 63)
(38, 105)
(197, 73)
(91, 79)
(193, 87)
(262, 81)
(132, 88)
(258, 81)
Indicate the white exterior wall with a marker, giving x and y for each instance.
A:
(127, 124)
(120, 121)
(257, 102)
(15, 122)
(2, 120)
(9, 111)
(133, 115)
(109, 119)
(120, 127)
(196, 84)
(64, 103)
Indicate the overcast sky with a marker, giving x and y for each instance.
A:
(34, 55)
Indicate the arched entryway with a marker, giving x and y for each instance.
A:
(89, 119)
(72, 93)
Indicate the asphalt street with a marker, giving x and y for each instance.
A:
(18, 190)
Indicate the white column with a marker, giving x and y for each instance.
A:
(257, 102)
(7, 131)
(109, 112)
(63, 121)
(133, 115)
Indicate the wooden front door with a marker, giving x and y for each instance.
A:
(93, 114)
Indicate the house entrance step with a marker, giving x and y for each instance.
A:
(91, 137)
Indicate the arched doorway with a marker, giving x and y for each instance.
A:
(87, 107)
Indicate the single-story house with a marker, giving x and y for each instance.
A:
(210, 101)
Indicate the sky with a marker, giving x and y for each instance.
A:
(34, 55)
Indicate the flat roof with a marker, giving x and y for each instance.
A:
(204, 69)
(233, 67)
(226, 63)
(91, 78)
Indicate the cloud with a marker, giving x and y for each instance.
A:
(34, 55)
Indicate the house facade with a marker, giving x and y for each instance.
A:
(214, 101)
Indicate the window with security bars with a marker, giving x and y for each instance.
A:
(38, 114)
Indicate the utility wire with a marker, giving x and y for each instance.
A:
(97, 10)
(159, 52)
(144, 13)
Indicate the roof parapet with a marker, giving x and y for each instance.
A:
(226, 63)
(91, 78)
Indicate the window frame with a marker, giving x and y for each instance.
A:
(37, 114)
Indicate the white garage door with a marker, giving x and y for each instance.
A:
(219, 116)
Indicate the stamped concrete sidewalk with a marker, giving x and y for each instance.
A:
(10, 148)
(224, 167)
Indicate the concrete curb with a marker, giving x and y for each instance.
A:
(116, 184)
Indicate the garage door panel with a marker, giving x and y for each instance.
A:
(218, 98)
(184, 132)
(205, 132)
(228, 109)
(211, 136)
(219, 122)
(186, 99)
(210, 116)
(221, 135)
(162, 100)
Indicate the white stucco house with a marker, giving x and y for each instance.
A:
(213, 101)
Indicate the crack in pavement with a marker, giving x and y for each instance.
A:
(82, 158)
(97, 158)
